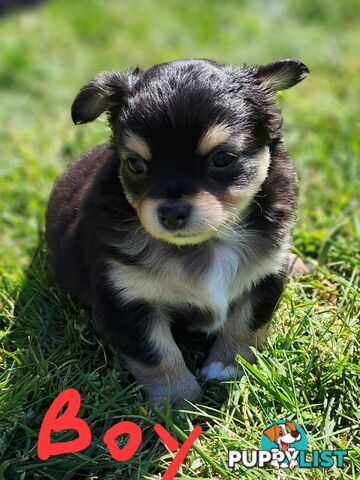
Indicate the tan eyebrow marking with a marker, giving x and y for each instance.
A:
(137, 144)
(214, 136)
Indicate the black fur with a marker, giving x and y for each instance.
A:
(121, 324)
(265, 297)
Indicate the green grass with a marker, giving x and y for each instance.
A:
(309, 372)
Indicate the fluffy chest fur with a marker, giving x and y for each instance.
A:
(206, 279)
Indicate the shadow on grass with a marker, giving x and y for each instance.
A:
(51, 348)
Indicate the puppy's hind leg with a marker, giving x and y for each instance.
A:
(246, 326)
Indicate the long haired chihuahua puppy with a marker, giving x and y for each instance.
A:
(183, 218)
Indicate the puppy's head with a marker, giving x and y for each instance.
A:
(193, 138)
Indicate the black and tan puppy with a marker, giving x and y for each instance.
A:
(185, 216)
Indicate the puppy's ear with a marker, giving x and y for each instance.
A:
(281, 74)
(106, 90)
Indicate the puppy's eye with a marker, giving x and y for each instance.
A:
(136, 165)
(223, 159)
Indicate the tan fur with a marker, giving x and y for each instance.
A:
(207, 200)
(147, 211)
(213, 137)
(135, 143)
(207, 216)
(238, 198)
(276, 81)
(209, 208)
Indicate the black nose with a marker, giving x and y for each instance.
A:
(174, 215)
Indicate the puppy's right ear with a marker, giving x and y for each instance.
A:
(106, 90)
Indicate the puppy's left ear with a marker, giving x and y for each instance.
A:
(281, 74)
(106, 90)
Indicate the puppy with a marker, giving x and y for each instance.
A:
(183, 218)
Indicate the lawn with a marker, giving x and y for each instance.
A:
(309, 372)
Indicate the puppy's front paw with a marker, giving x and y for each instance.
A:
(220, 371)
